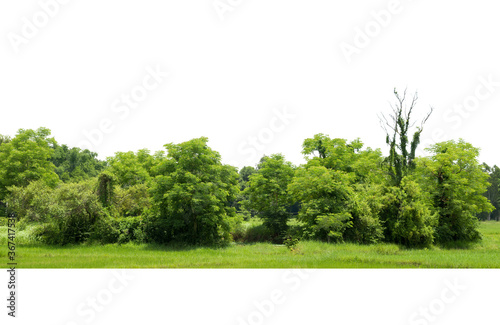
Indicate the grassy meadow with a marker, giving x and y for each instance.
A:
(307, 254)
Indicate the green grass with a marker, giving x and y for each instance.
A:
(310, 254)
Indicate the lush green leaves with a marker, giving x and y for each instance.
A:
(456, 183)
(191, 194)
(267, 192)
(74, 165)
(25, 159)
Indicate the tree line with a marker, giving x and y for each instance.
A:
(185, 194)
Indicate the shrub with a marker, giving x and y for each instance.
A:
(105, 231)
(132, 201)
(129, 227)
(259, 233)
(68, 212)
(365, 205)
(407, 215)
(48, 233)
(333, 225)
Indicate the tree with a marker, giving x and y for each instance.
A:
(131, 168)
(339, 154)
(493, 192)
(457, 184)
(74, 164)
(26, 158)
(191, 195)
(68, 212)
(401, 160)
(245, 174)
(324, 196)
(4, 139)
(406, 213)
(267, 192)
(341, 200)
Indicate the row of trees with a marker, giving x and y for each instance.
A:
(344, 192)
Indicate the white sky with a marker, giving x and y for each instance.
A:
(228, 77)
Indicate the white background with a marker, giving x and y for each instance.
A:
(227, 78)
(225, 296)
(227, 75)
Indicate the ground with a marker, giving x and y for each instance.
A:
(308, 254)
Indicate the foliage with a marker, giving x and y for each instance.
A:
(191, 195)
(131, 201)
(364, 206)
(401, 160)
(68, 211)
(407, 216)
(291, 243)
(105, 188)
(314, 254)
(252, 231)
(267, 192)
(324, 195)
(343, 193)
(74, 165)
(118, 230)
(25, 159)
(339, 154)
(34, 202)
(456, 182)
(4, 139)
(493, 193)
(131, 168)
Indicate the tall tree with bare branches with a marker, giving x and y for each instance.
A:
(397, 126)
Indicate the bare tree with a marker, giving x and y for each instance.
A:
(397, 126)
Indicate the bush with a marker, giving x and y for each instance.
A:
(130, 228)
(48, 233)
(27, 236)
(365, 207)
(258, 233)
(407, 215)
(105, 231)
(236, 226)
(68, 212)
(333, 225)
(252, 231)
(132, 201)
(34, 202)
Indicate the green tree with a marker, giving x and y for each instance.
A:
(324, 196)
(339, 154)
(68, 211)
(131, 168)
(267, 192)
(26, 158)
(493, 192)
(4, 139)
(245, 174)
(191, 195)
(74, 164)
(343, 198)
(405, 204)
(457, 184)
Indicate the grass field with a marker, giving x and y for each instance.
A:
(309, 254)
